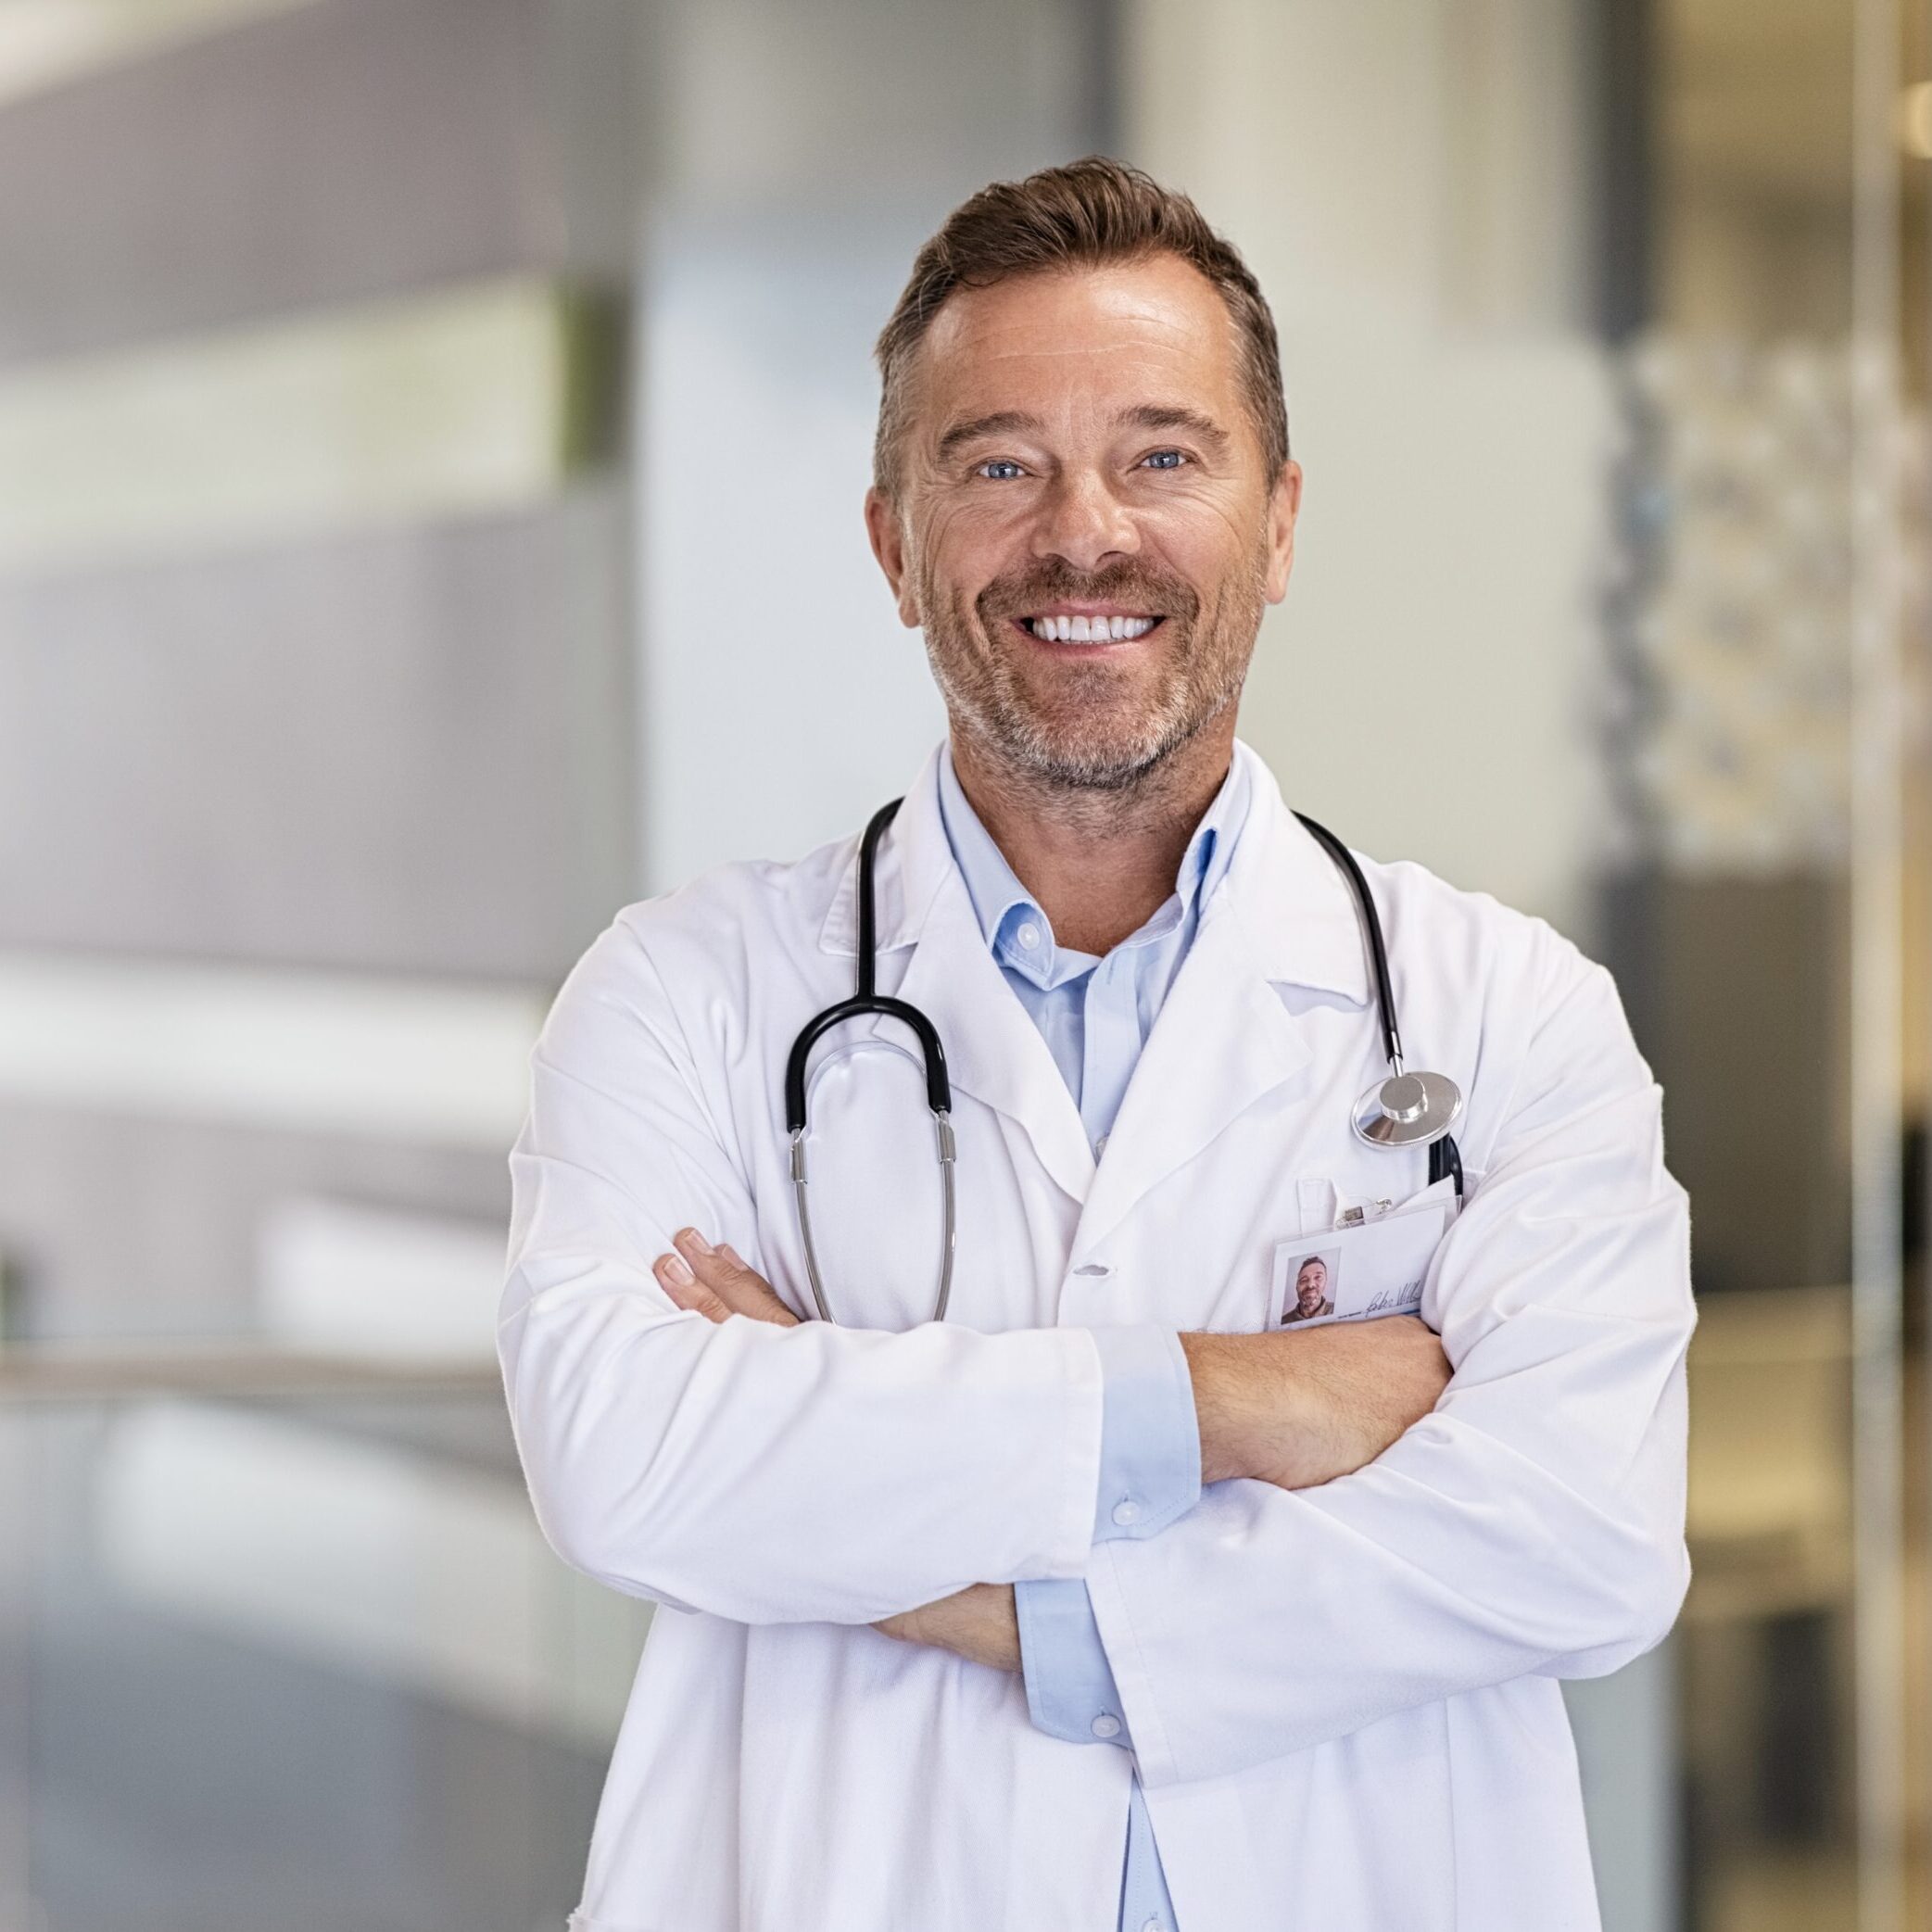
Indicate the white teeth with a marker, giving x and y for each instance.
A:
(1086, 630)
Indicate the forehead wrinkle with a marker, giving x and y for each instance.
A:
(1171, 339)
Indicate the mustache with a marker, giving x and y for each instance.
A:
(1021, 592)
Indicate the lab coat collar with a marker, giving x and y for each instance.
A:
(914, 858)
(1299, 914)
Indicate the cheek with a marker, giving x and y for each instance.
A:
(964, 547)
(1205, 541)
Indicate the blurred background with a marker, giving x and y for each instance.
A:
(431, 434)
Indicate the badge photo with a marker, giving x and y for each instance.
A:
(1305, 1284)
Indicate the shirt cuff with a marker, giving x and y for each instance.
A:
(1070, 1688)
(1150, 1438)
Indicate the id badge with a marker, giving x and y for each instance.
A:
(1356, 1272)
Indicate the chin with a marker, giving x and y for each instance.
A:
(1094, 760)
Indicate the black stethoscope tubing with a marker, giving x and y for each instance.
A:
(1445, 1161)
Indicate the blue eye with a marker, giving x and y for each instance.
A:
(1000, 469)
(1164, 460)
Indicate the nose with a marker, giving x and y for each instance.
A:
(1083, 522)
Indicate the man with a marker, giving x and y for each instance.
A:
(1310, 1291)
(973, 1623)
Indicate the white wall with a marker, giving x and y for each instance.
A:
(783, 702)
(803, 155)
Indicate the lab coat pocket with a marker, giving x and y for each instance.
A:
(1365, 1267)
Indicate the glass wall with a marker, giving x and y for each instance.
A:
(1767, 657)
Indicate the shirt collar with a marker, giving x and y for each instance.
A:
(1004, 908)
(1295, 906)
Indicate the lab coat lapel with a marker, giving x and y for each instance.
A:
(993, 1051)
(1224, 1038)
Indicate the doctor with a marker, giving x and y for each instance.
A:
(1108, 1602)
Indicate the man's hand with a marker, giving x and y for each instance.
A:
(1300, 1409)
(978, 1623)
(716, 1284)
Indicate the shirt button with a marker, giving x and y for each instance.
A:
(1106, 1727)
(1154, 1925)
(1029, 936)
(1124, 1513)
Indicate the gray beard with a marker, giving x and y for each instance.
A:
(981, 695)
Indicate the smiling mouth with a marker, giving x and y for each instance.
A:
(1060, 630)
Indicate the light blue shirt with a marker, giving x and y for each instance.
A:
(1095, 1016)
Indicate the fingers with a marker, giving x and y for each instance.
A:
(715, 1282)
(675, 1277)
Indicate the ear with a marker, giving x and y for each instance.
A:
(887, 533)
(1283, 508)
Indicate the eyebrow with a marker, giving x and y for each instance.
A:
(1151, 415)
(1146, 415)
(1002, 422)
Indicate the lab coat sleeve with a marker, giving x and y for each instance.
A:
(767, 1475)
(1533, 1524)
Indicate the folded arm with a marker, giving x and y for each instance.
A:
(764, 1472)
(1292, 1410)
(1532, 1523)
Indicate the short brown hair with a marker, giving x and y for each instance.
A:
(1083, 215)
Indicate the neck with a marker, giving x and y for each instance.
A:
(1099, 863)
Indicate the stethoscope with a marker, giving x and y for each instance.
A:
(1403, 1109)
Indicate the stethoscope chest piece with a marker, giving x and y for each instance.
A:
(1407, 1109)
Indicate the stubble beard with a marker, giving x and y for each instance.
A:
(1098, 733)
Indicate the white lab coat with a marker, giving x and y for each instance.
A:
(1343, 1700)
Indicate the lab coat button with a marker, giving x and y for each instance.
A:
(1106, 1727)
(1124, 1513)
(1093, 1267)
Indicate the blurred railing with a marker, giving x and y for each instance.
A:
(281, 1644)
